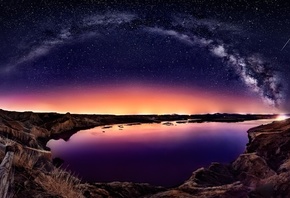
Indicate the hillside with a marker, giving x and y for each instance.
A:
(261, 171)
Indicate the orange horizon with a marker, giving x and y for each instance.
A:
(135, 100)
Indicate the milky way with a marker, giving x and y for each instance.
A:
(79, 46)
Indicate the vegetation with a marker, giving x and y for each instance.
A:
(30, 166)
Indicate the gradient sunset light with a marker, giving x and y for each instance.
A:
(133, 99)
(132, 59)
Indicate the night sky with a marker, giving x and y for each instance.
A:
(143, 57)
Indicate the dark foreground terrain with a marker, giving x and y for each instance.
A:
(263, 170)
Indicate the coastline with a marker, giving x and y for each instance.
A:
(261, 166)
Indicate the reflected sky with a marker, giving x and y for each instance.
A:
(153, 153)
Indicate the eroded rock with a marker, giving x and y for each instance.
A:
(262, 171)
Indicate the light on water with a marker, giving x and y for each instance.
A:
(151, 153)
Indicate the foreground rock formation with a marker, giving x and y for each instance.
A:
(263, 170)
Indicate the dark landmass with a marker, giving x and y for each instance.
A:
(263, 170)
(39, 128)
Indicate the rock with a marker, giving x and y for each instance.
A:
(252, 164)
(251, 169)
(263, 170)
(121, 189)
(217, 174)
(172, 194)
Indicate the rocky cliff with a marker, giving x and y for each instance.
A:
(263, 170)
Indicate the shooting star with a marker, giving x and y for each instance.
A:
(285, 44)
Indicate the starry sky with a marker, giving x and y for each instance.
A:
(130, 57)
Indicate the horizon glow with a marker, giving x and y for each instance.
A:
(282, 117)
(137, 99)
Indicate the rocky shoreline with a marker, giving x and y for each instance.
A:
(261, 171)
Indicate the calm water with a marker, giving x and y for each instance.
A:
(151, 153)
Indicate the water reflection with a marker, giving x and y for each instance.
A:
(153, 153)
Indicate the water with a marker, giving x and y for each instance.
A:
(151, 153)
